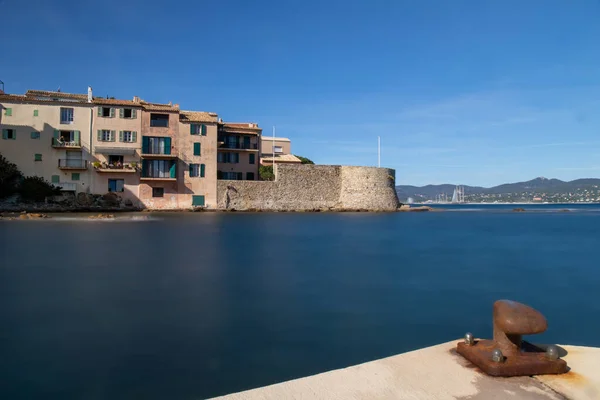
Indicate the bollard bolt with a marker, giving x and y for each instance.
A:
(497, 356)
(469, 340)
(552, 352)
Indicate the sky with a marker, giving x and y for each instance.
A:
(465, 92)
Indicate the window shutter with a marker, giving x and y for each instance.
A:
(251, 157)
(77, 136)
(99, 111)
(240, 176)
(167, 145)
(202, 168)
(203, 130)
(112, 135)
(8, 112)
(145, 144)
(191, 129)
(55, 178)
(237, 158)
(99, 135)
(75, 176)
(134, 136)
(191, 170)
(121, 113)
(173, 170)
(112, 112)
(196, 149)
(4, 133)
(121, 132)
(35, 113)
(133, 113)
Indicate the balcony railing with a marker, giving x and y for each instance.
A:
(67, 186)
(65, 163)
(60, 143)
(118, 167)
(241, 145)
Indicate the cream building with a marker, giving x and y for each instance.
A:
(278, 149)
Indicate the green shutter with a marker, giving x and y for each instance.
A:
(75, 176)
(237, 158)
(99, 111)
(112, 135)
(56, 134)
(77, 136)
(55, 178)
(121, 113)
(196, 149)
(134, 113)
(191, 129)
(134, 136)
(112, 112)
(203, 130)
(99, 135)
(35, 135)
(145, 144)
(197, 200)
(5, 134)
(8, 112)
(35, 113)
(202, 168)
(37, 157)
(191, 169)
(168, 145)
(252, 159)
(121, 132)
(173, 170)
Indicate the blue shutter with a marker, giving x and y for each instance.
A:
(197, 200)
(196, 149)
(202, 168)
(168, 145)
(145, 144)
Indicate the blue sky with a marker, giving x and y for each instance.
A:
(471, 92)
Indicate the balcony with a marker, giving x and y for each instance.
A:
(128, 168)
(225, 145)
(58, 143)
(67, 186)
(159, 170)
(72, 164)
(160, 156)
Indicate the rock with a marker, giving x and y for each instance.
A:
(128, 203)
(518, 209)
(85, 199)
(101, 216)
(110, 199)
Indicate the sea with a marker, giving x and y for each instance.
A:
(195, 305)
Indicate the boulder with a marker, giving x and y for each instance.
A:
(85, 199)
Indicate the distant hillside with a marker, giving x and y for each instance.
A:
(536, 187)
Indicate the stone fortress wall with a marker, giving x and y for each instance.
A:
(313, 187)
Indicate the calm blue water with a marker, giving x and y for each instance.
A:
(188, 306)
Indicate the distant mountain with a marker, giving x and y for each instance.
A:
(535, 187)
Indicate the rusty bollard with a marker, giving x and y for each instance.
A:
(508, 354)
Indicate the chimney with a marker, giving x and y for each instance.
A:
(90, 97)
(170, 104)
(136, 99)
(220, 120)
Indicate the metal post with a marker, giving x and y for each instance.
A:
(379, 151)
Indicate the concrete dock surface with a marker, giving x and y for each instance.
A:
(437, 372)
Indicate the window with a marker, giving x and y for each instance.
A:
(196, 149)
(116, 185)
(104, 135)
(115, 161)
(75, 176)
(158, 192)
(194, 170)
(234, 176)
(35, 113)
(128, 136)
(66, 115)
(252, 158)
(232, 142)
(159, 120)
(249, 176)
(159, 169)
(156, 145)
(35, 135)
(37, 157)
(106, 112)
(8, 112)
(198, 129)
(232, 158)
(55, 178)
(277, 149)
(198, 201)
(127, 113)
(9, 134)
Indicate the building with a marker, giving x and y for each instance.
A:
(278, 149)
(238, 151)
(154, 155)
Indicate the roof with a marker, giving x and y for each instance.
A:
(115, 102)
(289, 158)
(34, 99)
(56, 95)
(158, 106)
(197, 116)
(277, 139)
(240, 126)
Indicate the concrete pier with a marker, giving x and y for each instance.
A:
(437, 372)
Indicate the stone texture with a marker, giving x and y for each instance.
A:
(312, 188)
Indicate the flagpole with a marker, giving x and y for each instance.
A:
(273, 149)
(379, 151)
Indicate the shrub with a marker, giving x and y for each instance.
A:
(266, 173)
(10, 176)
(305, 160)
(35, 188)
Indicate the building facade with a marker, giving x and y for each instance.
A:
(152, 155)
(277, 149)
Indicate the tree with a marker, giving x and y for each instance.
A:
(305, 160)
(10, 177)
(35, 188)
(266, 173)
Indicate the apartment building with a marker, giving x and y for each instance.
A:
(238, 155)
(277, 149)
(154, 155)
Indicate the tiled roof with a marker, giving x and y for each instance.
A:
(19, 98)
(277, 139)
(197, 116)
(158, 107)
(56, 95)
(290, 158)
(115, 102)
(240, 126)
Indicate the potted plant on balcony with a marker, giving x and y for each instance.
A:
(96, 164)
(133, 165)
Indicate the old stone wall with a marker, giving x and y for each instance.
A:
(313, 187)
